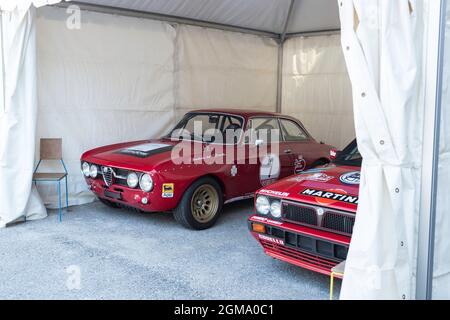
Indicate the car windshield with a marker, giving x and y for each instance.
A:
(349, 156)
(207, 127)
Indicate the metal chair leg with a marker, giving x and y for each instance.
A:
(67, 195)
(331, 285)
(59, 200)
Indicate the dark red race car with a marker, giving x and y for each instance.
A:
(307, 219)
(211, 157)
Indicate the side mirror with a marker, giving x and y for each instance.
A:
(259, 142)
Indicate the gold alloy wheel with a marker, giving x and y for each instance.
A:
(204, 203)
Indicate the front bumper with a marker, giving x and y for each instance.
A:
(123, 196)
(309, 248)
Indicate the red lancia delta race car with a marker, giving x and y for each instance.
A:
(307, 219)
(208, 159)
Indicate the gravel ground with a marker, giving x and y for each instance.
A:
(120, 254)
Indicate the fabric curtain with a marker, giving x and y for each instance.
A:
(18, 114)
(382, 46)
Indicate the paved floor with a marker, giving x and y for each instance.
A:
(120, 254)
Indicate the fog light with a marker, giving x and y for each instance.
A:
(260, 228)
(144, 200)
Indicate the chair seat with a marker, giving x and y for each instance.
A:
(340, 268)
(53, 176)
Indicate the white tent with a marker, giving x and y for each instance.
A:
(121, 64)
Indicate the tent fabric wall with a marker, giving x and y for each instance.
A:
(384, 61)
(220, 69)
(104, 83)
(317, 89)
(18, 109)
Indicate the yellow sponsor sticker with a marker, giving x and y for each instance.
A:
(167, 190)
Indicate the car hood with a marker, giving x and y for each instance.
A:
(331, 186)
(143, 155)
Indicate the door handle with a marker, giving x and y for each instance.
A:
(288, 151)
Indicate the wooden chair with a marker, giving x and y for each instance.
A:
(51, 149)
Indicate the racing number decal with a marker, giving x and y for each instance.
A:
(270, 169)
(299, 165)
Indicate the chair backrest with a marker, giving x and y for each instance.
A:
(51, 149)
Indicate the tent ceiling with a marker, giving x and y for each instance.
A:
(263, 15)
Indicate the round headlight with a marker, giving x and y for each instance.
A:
(86, 169)
(93, 171)
(262, 205)
(132, 180)
(275, 209)
(146, 182)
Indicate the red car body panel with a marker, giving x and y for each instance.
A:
(164, 171)
(317, 245)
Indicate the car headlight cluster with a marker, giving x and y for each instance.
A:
(89, 170)
(144, 181)
(134, 179)
(264, 206)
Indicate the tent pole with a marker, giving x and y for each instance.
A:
(165, 18)
(280, 57)
(279, 77)
(430, 149)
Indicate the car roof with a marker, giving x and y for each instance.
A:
(239, 112)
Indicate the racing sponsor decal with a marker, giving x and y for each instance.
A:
(274, 193)
(270, 169)
(146, 150)
(168, 190)
(330, 196)
(350, 177)
(299, 165)
(318, 177)
(270, 239)
(263, 219)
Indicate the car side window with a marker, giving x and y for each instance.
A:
(266, 129)
(292, 131)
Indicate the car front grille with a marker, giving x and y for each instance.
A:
(325, 249)
(302, 258)
(317, 217)
(338, 222)
(114, 176)
(301, 214)
(108, 175)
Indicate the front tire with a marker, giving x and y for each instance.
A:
(201, 205)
